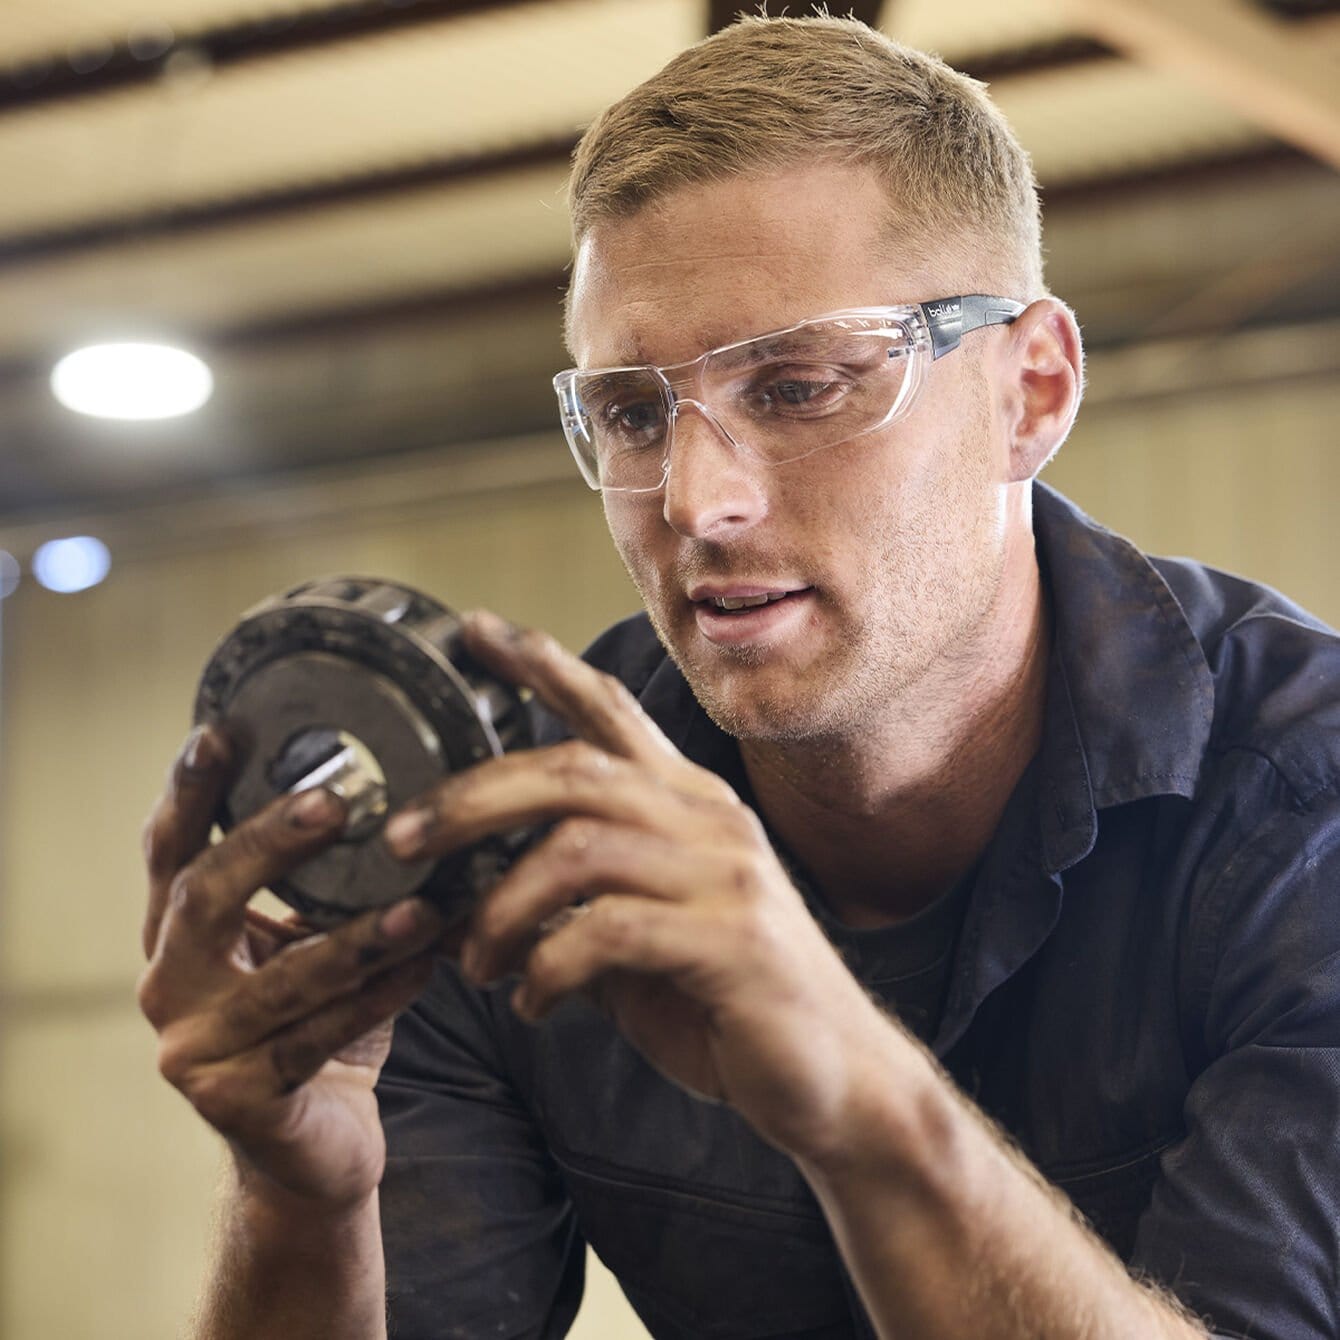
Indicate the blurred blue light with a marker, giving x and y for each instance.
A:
(73, 564)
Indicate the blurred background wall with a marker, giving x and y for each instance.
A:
(354, 213)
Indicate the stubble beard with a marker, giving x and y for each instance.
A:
(862, 677)
(876, 662)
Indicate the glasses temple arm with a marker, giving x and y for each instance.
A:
(949, 319)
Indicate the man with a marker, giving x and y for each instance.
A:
(931, 818)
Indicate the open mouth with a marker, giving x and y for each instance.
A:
(742, 604)
(747, 617)
(732, 603)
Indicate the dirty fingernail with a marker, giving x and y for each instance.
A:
(314, 808)
(201, 753)
(402, 920)
(493, 626)
(407, 832)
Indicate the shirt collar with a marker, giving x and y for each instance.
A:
(1130, 696)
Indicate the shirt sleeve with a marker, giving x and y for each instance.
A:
(480, 1238)
(1244, 1223)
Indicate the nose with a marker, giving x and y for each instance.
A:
(714, 487)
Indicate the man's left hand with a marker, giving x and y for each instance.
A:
(657, 895)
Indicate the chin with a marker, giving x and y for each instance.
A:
(760, 721)
(752, 693)
(753, 699)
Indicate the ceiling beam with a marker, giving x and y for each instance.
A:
(1278, 75)
(1185, 175)
(1067, 53)
(349, 320)
(446, 304)
(378, 185)
(94, 70)
(1299, 9)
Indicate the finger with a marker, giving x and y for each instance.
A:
(205, 911)
(528, 787)
(615, 932)
(308, 975)
(234, 1095)
(596, 705)
(580, 860)
(180, 822)
(275, 932)
(265, 937)
(303, 1048)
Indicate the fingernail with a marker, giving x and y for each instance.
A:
(403, 920)
(407, 832)
(314, 808)
(200, 754)
(493, 626)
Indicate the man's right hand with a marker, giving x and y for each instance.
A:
(274, 1033)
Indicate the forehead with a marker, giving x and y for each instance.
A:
(710, 264)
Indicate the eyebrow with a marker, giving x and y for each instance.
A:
(761, 348)
(637, 356)
(857, 348)
(597, 383)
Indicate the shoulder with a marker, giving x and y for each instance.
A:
(1183, 673)
(1275, 670)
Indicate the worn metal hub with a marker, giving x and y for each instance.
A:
(362, 686)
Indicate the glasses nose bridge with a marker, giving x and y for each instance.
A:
(685, 384)
(706, 412)
(682, 378)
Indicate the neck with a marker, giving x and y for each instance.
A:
(888, 817)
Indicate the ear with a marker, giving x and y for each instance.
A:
(1044, 383)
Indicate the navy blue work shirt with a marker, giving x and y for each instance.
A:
(1145, 994)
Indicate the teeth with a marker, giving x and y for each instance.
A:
(744, 602)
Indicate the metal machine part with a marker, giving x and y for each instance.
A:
(362, 686)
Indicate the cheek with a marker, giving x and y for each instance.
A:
(633, 526)
(919, 515)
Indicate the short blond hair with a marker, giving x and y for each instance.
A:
(768, 94)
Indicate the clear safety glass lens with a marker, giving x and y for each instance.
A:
(779, 397)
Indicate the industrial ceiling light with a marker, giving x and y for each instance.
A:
(131, 381)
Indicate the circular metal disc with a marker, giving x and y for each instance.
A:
(315, 691)
(382, 665)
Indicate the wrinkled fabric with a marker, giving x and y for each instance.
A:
(1145, 993)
